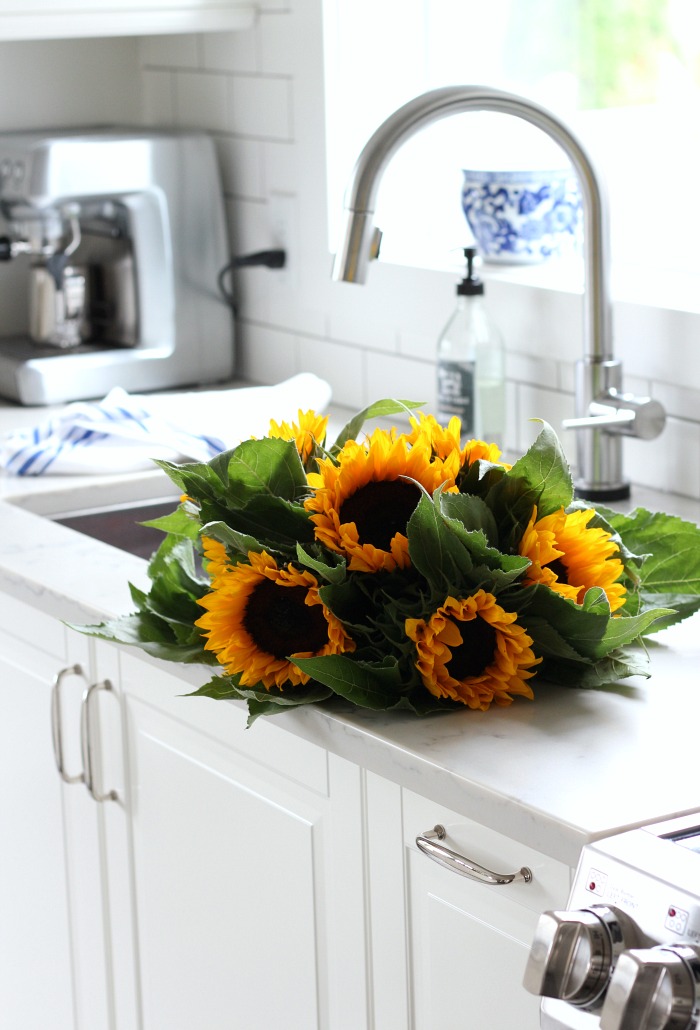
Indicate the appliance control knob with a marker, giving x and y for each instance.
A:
(653, 989)
(573, 953)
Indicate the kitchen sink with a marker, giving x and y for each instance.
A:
(119, 525)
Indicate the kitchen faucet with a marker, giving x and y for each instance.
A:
(603, 413)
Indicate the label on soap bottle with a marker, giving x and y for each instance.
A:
(456, 384)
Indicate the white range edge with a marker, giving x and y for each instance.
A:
(572, 766)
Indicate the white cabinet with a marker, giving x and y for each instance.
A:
(247, 866)
(467, 942)
(197, 874)
(190, 874)
(51, 929)
(57, 19)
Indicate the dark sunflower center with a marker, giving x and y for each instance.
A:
(281, 623)
(380, 510)
(475, 652)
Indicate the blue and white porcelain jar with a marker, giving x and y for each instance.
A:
(523, 217)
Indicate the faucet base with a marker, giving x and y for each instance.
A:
(620, 492)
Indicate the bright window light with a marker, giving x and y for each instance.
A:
(625, 75)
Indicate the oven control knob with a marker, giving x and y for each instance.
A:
(573, 953)
(653, 989)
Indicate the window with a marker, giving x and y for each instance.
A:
(625, 74)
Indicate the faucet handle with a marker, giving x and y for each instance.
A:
(623, 414)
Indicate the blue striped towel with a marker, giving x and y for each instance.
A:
(124, 434)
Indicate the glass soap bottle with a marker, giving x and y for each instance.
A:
(470, 364)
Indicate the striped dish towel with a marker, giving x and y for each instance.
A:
(123, 433)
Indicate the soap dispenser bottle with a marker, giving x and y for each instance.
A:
(470, 364)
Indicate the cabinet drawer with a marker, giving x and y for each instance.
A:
(550, 884)
(22, 624)
(266, 744)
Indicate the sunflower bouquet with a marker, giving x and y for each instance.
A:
(403, 570)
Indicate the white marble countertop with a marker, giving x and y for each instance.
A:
(568, 767)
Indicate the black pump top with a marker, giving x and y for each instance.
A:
(471, 284)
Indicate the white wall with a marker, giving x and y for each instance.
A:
(260, 92)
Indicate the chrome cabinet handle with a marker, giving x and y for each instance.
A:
(86, 742)
(464, 866)
(56, 715)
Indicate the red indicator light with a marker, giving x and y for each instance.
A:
(591, 885)
(672, 912)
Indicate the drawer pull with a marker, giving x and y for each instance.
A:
(464, 866)
(86, 742)
(56, 720)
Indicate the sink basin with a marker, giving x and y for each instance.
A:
(119, 525)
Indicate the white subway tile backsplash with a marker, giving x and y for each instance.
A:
(200, 101)
(279, 55)
(158, 98)
(388, 375)
(180, 51)
(241, 163)
(528, 369)
(342, 366)
(679, 401)
(532, 402)
(280, 167)
(260, 107)
(266, 355)
(671, 462)
(231, 51)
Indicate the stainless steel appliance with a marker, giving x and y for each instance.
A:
(123, 234)
(625, 955)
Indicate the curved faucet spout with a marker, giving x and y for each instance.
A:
(599, 398)
(360, 237)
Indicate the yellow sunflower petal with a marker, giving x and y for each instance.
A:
(473, 651)
(361, 503)
(309, 429)
(259, 616)
(570, 557)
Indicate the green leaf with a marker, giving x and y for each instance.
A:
(376, 410)
(541, 477)
(368, 685)
(196, 478)
(435, 547)
(609, 670)
(273, 522)
(671, 546)
(150, 634)
(335, 573)
(621, 631)
(472, 512)
(240, 543)
(265, 467)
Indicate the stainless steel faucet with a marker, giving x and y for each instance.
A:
(603, 413)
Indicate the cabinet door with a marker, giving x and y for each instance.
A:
(235, 875)
(469, 942)
(52, 948)
(35, 969)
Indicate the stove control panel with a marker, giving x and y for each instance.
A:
(625, 954)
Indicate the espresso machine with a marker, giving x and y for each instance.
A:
(121, 234)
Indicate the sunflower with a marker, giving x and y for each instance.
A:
(473, 651)
(307, 431)
(260, 618)
(570, 557)
(444, 442)
(361, 504)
